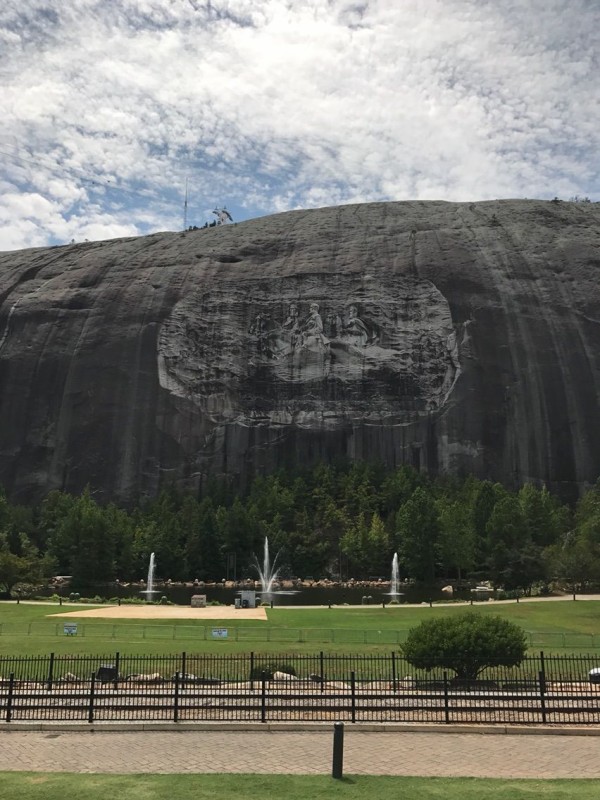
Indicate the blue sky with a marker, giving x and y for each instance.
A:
(270, 105)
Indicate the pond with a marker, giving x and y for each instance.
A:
(313, 596)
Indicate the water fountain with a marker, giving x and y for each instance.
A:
(394, 592)
(267, 575)
(150, 590)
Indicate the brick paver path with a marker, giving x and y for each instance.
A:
(394, 753)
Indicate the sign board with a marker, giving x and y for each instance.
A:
(219, 633)
(70, 628)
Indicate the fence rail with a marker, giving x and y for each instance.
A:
(256, 635)
(316, 687)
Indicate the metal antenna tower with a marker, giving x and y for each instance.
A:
(185, 205)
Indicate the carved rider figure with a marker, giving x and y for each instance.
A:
(290, 326)
(285, 337)
(355, 329)
(312, 330)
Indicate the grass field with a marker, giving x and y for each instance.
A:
(57, 786)
(29, 629)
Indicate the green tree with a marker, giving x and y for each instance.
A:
(398, 487)
(467, 644)
(55, 509)
(574, 561)
(544, 518)
(239, 533)
(485, 496)
(202, 550)
(456, 541)
(14, 569)
(307, 551)
(355, 545)
(417, 526)
(83, 542)
(358, 492)
(575, 558)
(514, 561)
(330, 522)
(378, 543)
(122, 528)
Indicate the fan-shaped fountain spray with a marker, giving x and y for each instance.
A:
(267, 574)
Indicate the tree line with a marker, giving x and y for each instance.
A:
(336, 521)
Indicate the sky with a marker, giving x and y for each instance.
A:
(110, 107)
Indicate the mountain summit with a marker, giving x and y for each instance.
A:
(453, 337)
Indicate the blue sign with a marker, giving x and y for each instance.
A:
(219, 633)
(70, 628)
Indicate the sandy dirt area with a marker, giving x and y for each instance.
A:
(166, 612)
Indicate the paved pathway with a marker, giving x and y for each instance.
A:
(305, 752)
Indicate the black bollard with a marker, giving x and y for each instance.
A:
(337, 767)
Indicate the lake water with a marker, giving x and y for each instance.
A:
(314, 596)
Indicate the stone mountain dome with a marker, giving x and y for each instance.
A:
(453, 337)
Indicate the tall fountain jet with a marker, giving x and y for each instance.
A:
(267, 574)
(395, 593)
(150, 590)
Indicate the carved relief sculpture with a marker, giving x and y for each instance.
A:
(389, 354)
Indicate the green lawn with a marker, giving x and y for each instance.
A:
(31, 629)
(57, 786)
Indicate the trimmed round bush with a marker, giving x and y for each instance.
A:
(466, 644)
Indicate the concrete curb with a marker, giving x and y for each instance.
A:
(293, 727)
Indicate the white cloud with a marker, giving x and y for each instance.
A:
(272, 104)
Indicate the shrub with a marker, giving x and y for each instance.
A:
(466, 644)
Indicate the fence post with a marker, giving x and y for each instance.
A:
(263, 696)
(92, 692)
(353, 696)
(176, 699)
(117, 667)
(542, 679)
(322, 670)
(9, 699)
(50, 672)
(394, 677)
(251, 672)
(183, 667)
(446, 700)
(337, 767)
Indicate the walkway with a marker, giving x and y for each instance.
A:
(416, 753)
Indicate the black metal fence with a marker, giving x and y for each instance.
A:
(300, 688)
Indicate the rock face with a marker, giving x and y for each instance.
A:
(452, 337)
